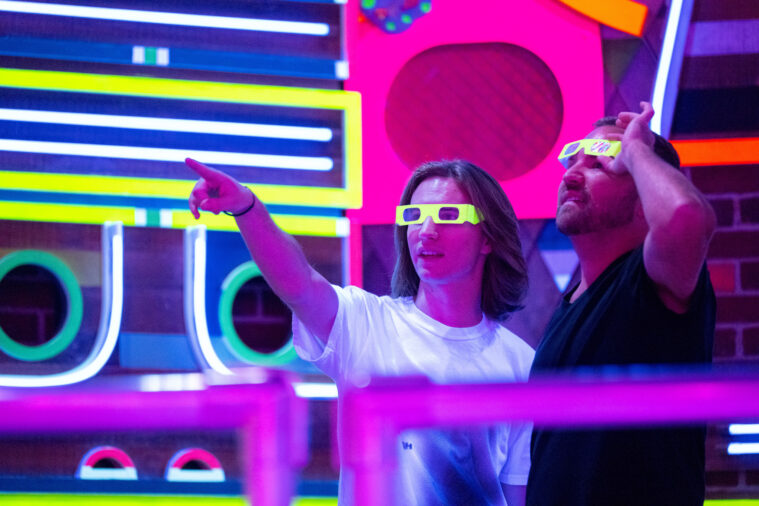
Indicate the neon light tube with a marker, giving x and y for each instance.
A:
(670, 61)
(166, 18)
(168, 124)
(743, 428)
(110, 320)
(168, 155)
(195, 300)
(742, 448)
(316, 390)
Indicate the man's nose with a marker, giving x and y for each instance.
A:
(574, 176)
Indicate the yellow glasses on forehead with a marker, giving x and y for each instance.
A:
(594, 147)
(440, 213)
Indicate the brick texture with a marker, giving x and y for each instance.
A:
(750, 275)
(729, 179)
(737, 309)
(751, 341)
(750, 210)
(722, 275)
(724, 343)
(725, 211)
(734, 244)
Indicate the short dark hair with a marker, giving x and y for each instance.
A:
(504, 278)
(662, 146)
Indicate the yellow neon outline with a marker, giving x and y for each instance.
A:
(321, 226)
(347, 101)
(624, 15)
(168, 188)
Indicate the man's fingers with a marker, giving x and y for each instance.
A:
(647, 111)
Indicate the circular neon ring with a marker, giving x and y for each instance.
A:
(229, 288)
(73, 320)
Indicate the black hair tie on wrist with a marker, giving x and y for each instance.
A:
(252, 204)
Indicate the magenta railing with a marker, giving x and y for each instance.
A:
(373, 417)
(272, 421)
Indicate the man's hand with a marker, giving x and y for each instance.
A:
(637, 135)
(216, 192)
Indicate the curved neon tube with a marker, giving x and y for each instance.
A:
(195, 300)
(110, 319)
(166, 18)
(670, 62)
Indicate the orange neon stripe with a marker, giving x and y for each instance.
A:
(624, 15)
(718, 151)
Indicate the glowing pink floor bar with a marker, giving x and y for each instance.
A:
(271, 419)
(373, 417)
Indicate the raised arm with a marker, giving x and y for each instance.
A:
(278, 256)
(680, 219)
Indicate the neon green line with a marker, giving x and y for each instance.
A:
(347, 101)
(176, 188)
(319, 226)
(17, 499)
(175, 88)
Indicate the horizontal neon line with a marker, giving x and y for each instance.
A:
(179, 89)
(172, 188)
(718, 151)
(317, 226)
(168, 124)
(316, 390)
(743, 428)
(168, 155)
(166, 18)
(742, 448)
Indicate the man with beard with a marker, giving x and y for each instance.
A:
(641, 231)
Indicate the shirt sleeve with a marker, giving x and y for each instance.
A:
(517, 466)
(518, 456)
(334, 357)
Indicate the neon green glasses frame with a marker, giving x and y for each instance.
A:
(594, 147)
(440, 213)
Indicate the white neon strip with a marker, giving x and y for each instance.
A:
(316, 390)
(195, 475)
(199, 305)
(743, 428)
(168, 155)
(169, 125)
(110, 322)
(665, 62)
(166, 18)
(742, 448)
(91, 473)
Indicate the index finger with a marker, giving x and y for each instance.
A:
(201, 170)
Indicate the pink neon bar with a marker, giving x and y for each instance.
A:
(273, 422)
(373, 417)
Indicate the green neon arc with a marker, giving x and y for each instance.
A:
(229, 288)
(73, 320)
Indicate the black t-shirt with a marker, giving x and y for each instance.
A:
(620, 320)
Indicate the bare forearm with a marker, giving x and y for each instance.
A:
(278, 255)
(670, 202)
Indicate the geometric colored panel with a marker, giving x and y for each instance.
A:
(495, 104)
(106, 463)
(194, 464)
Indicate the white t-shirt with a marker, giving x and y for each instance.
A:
(381, 336)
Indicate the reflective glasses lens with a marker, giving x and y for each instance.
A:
(411, 214)
(448, 213)
(570, 149)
